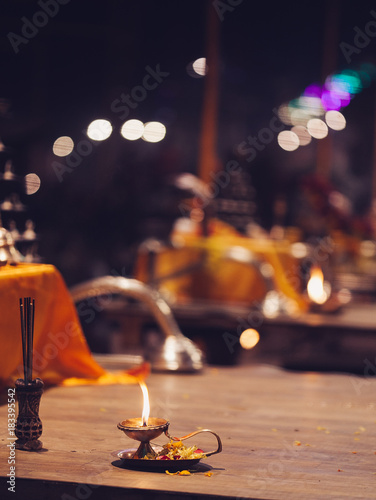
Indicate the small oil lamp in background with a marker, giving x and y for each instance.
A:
(144, 429)
(320, 293)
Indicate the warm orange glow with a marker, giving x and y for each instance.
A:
(315, 286)
(249, 338)
(146, 408)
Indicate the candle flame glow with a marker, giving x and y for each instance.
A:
(315, 287)
(146, 408)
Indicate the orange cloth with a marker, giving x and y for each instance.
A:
(61, 353)
(210, 276)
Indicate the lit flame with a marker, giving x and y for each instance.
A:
(315, 287)
(146, 408)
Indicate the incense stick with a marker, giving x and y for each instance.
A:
(32, 337)
(27, 313)
(23, 333)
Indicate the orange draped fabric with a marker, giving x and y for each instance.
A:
(61, 353)
(210, 276)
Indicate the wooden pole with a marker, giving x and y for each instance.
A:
(329, 62)
(372, 208)
(208, 161)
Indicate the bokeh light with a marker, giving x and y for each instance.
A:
(299, 116)
(288, 140)
(335, 120)
(311, 104)
(99, 130)
(330, 100)
(317, 128)
(303, 135)
(154, 132)
(344, 296)
(249, 338)
(132, 130)
(32, 183)
(284, 114)
(63, 146)
(199, 66)
(367, 249)
(299, 250)
(313, 90)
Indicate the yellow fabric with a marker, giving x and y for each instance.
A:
(217, 278)
(60, 348)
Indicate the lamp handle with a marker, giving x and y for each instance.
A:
(218, 450)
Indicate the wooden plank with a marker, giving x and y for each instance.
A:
(259, 411)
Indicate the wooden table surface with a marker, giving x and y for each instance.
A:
(286, 435)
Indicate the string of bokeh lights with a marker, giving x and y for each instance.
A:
(131, 130)
(319, 107)
(101, 129)
(310, 116)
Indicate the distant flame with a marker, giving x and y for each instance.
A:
(316, 288)
(146, 408)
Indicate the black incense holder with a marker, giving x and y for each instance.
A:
(28, 391)
(28, 425)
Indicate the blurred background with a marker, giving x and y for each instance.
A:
(270, 109)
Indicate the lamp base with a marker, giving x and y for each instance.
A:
(143, 450)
